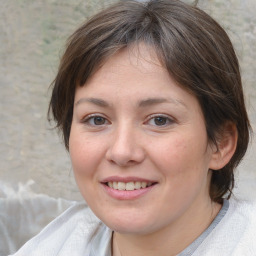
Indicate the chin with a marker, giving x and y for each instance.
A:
(130, 224)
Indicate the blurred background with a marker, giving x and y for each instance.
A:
(34, 163)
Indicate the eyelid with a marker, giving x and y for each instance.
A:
(170, 119)
(90, 116)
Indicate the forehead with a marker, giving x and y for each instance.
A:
(138, 55)
(134, 67)
(130, 64)
(134, 76)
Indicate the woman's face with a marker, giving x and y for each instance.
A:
(138, 145)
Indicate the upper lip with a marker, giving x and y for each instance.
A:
(126, 179)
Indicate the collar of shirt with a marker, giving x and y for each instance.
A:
(101, 243)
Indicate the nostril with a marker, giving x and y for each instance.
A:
(122, 162)
(125, 152)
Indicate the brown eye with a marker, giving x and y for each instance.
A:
(95, 121)
(160, 120)
(98, 120)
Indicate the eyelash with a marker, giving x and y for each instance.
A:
(167, 120)
(88, 118)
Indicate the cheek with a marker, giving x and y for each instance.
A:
(181, 158)
(84, 154)
(172, 152)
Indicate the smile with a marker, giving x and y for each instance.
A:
(129, 186)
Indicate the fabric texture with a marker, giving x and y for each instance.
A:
(78, 232)
(189, 251)
(23, 214)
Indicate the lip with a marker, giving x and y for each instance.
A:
(126, 179)
(127, 194)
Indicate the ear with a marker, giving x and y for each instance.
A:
(226, 147)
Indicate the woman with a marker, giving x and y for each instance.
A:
(149, 100)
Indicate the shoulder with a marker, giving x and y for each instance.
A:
(243, 207)
(242, 211)
(235, 234)
(70, 234)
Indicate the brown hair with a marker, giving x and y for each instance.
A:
(195, 50)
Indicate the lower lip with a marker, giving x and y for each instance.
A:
(127, 194)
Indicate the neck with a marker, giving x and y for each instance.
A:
(170, 240)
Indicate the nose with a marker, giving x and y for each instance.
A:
(125, 148)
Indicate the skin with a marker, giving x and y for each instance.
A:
(132, 120)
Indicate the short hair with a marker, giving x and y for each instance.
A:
(193, 47)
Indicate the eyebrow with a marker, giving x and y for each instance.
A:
(96, 101)
(154, 101)
(142, 103)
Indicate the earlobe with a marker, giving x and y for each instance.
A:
(226, 147)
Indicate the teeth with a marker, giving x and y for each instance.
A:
(129, 185)
(120, 185)
(115, 185)
(137, 185)
(143, 184)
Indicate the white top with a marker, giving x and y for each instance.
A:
(78, 232)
